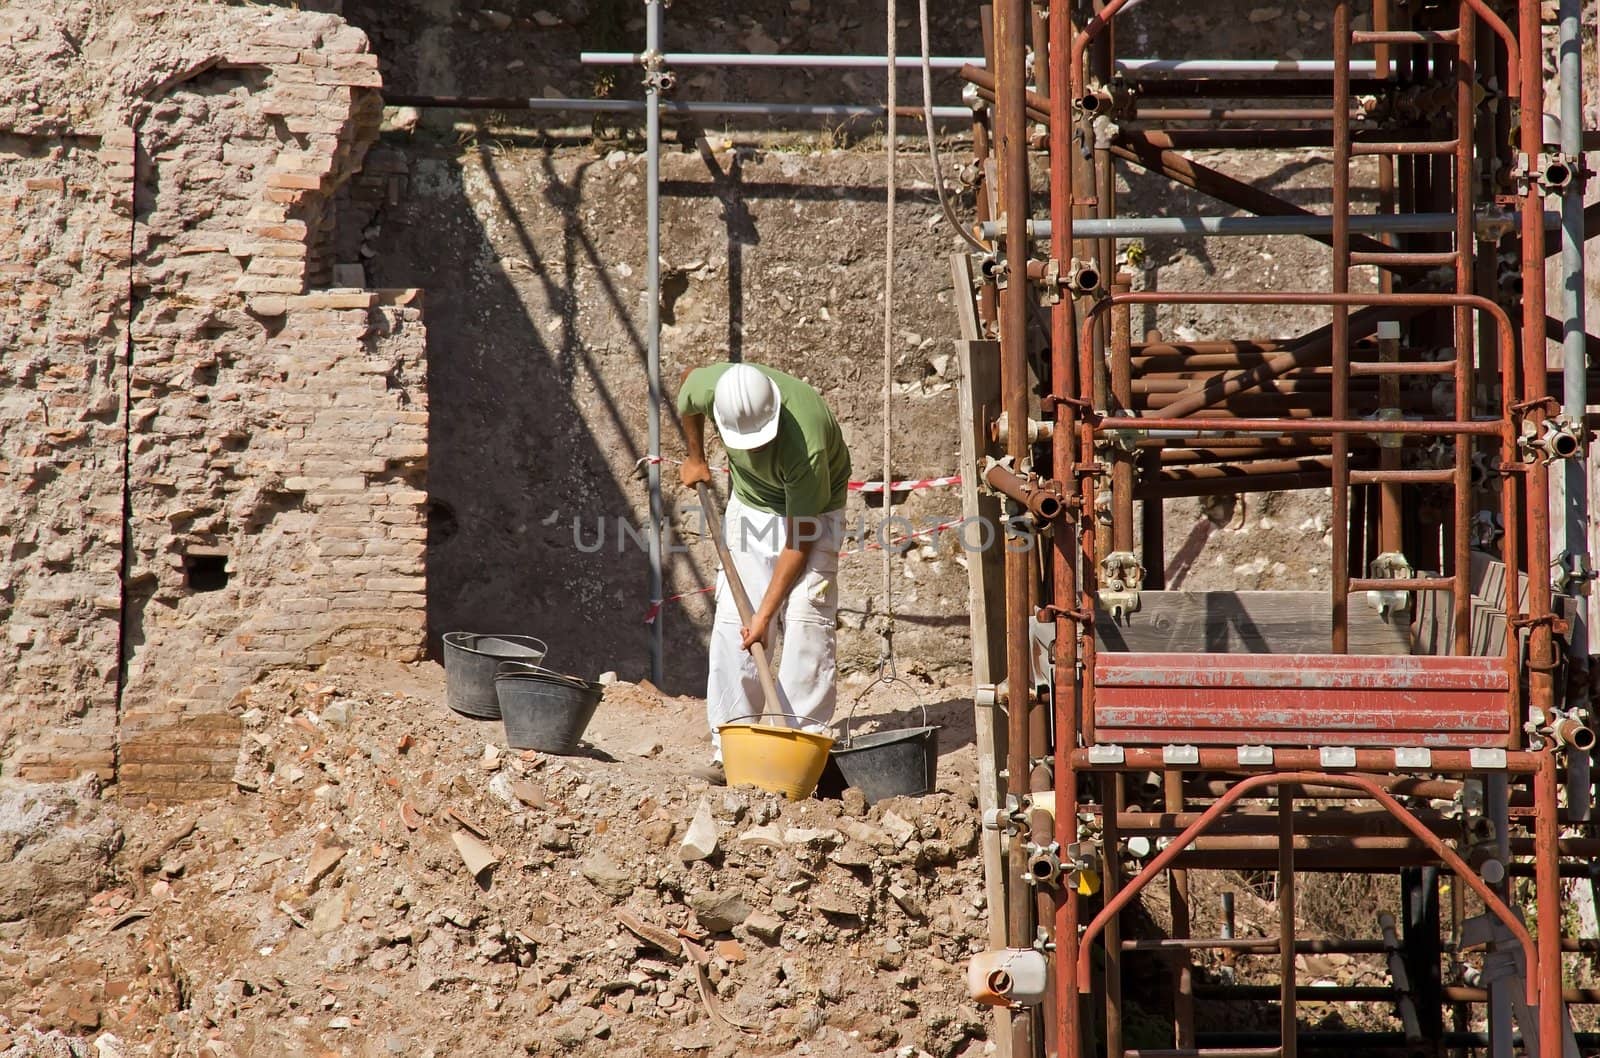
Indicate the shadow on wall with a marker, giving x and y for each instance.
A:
(537, 388)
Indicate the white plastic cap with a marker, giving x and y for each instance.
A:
(746, 407)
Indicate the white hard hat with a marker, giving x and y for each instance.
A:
(746, 407)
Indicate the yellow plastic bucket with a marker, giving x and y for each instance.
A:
(780, 759)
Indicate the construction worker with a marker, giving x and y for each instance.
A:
(783, 526)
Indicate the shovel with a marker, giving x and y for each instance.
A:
(758, 650)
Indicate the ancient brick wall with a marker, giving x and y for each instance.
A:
(65, 213)
(212, 459)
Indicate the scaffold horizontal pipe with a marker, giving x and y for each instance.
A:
(782, 60)
(1402, 259)
(1463, 994)
(1357, 1042)
(1194, 87)
(1171, 489)
(1390, 140)
(1151, 227)
(1235, 114)
(1404, 36)
(1180, 67)
(1443, 584)
(1198, 425)
(1304, 993)
(1359, 820)
(832, 111)
(1432, 367)
(1257, 945)
(1442, 761)
(1402, 477)
(1206, 1052)
(1229, 67)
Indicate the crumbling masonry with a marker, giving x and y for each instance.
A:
(212, 439)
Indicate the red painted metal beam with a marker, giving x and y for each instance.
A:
(1301, 700)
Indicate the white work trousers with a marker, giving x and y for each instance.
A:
(806, 684)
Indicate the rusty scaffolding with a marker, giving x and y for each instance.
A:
(1439, 729)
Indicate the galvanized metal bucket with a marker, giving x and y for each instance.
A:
(544, 710)
(470, 660)
(902, 762)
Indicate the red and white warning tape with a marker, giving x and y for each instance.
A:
(934, 530)
(910, 484)
(900, 486)
(655, 607)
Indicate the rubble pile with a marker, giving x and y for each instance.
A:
(330, 907)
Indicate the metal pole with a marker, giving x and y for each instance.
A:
(1465, 193)
(831, 111)
(1208, 67)
(1288, 1023)
(1064, 542)
(1188, 67)
(1497, 807)
(1575, 383)
(1178, 899)
(1012, 155)
(1540, 658)
(1551, 1015)
(652, 267)
(1340, 332)
(832, 62)
(1152, 227)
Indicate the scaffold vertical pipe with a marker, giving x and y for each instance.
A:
(1547, 897)
(1541, 636)
(1288, 1026)
(1340, 516)
(1111, 799)
(652, 22)
(1574, 375)
(1064, 543)
(1011, 25)
(1462, 329)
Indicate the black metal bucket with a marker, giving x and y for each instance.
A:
(470, 660)
(544, 710)
(899, 763)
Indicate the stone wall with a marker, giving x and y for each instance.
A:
(213, 458)
(65, 214)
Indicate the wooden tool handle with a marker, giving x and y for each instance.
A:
(758, 650)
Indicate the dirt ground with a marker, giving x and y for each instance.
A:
(325, 910)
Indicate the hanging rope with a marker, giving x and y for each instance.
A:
(887, 660)
(933, 139)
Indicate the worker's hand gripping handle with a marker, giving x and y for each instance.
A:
(769, 687)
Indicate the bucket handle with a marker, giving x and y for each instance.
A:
(886, 677)
(512, 667)
(454, 639)
(823, 728)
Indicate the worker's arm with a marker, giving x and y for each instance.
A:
(800, 535)
(694, 469)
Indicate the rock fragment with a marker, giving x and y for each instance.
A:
(323, 861)
(764, 927)
(897, 828)
(607, 875)
(700, 842)
(719, 910)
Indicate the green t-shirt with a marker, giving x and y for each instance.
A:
(805, 469)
